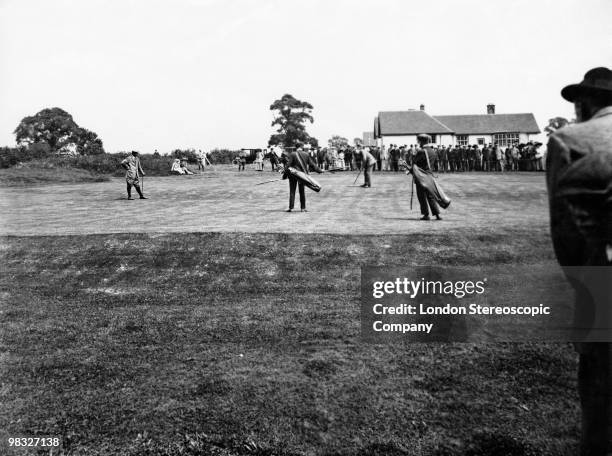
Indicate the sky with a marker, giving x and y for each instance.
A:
(202, 74)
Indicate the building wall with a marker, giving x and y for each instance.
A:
(473, 139)
(447, 140)
(398, 140)
(408, 140)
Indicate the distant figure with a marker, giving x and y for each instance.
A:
(176, 167)
(259, 157)
(179, 168)
(341, 164)
(184, 167)
(394, 156)
(348, 159)
(242, 160)
(133, 169)
(201, 160)
(384, 158)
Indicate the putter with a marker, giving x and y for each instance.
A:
(358, 174)
(412, 192)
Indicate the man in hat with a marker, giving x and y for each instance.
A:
(579, 173)
(133, 169)
(423, 158)
(301, 161)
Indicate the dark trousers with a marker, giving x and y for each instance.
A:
(394, 165)
(367, 174)
(424, 198)
(595, 388)
(293, 182)
(444, 165)
(129, 190)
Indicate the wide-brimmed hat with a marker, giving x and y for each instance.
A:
(595, 81)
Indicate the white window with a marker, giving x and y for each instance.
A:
(505, 139)
(462, 140)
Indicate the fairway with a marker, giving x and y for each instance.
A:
(228, 201)
(206, 320)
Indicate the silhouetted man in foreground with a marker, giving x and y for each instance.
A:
(579, 178)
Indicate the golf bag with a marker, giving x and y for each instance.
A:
(426, 180)
(303, 178)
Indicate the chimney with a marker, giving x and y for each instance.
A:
(490, 108)
(422, 107)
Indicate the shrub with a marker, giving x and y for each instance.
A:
(222, 156)
(10, 156)
(188, 154)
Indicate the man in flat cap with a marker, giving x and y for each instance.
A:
(133, 169)
(579, 179)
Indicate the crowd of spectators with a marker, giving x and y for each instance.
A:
(490, 157)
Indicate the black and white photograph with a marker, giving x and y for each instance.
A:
(306, 227)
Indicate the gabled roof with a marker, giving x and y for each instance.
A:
(408, 123)
(490, 123)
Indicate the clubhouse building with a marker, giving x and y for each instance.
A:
(402, 127)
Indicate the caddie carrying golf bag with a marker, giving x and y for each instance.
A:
(427, 181)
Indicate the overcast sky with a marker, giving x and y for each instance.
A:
(148, 74)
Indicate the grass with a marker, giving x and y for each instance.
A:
(248, 344)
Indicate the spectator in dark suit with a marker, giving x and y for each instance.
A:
(348, 158)
(394, 156)
(486, 158)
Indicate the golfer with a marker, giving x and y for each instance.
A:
(133, 170)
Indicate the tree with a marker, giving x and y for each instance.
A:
(56, 128)
(338, 142)
(290, 116)
(88, 142)
(556, 123)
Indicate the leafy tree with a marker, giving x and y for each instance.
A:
(338, 142)
(290, 116)
(556, 123)
(56, 128)
(88, 142)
